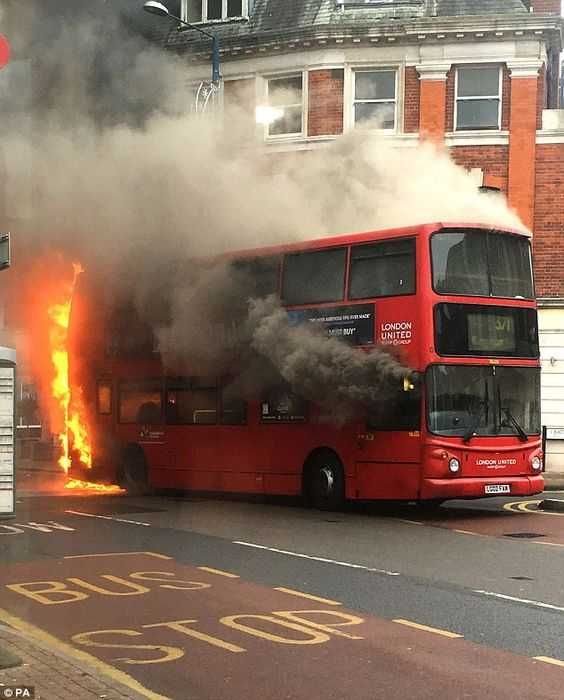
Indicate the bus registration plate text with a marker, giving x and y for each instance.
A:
(497, 488)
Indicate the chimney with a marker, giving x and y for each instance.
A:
(545, 7)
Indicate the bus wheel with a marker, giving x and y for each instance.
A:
(132, 472)
(325, 486)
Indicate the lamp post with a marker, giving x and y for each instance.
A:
(161, 10)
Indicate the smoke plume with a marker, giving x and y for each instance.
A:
(105, 161)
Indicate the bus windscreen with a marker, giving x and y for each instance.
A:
(482, 263)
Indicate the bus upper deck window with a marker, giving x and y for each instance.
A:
(383, 269)
(314, 277)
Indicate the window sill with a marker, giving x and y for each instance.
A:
(479, 137)
(213, 22)
(283, 138)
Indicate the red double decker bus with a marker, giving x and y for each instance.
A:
(454, 302)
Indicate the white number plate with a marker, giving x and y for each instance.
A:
(498, 488)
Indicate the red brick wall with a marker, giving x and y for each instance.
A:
(552, 7)
(541, 95)
(432, 109)
(449, 122)
(411, 109)
(505, 99)
(239, 97)
(548, 239)
(325, 110)
(522, 144)
(493, 160)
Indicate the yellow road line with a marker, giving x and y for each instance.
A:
(219, 572)
(523, 507)
(426, 628)
(83, 657)
(307, 595)
(118, 554)
(549, 660)
(520, 506)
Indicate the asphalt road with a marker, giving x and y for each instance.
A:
(212, 599)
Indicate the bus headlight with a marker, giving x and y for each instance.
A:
(536, 463)
(454, 465)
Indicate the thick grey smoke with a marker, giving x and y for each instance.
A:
(105, 161)
(326, 370)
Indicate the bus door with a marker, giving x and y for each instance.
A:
(242, 455)
(140, 417)
(389, 449)
(191, 434)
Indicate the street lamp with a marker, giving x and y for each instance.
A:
(161, 10)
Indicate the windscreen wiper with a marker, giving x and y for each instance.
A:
(469, 434)
(515, 423)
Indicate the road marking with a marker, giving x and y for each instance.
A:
(468, 532)
(523, 507)
(180, 626)
(107, 517)
(549, 660)
(83, 657)
(321, 559)
(426, 628)
(551, 544)
(307, 595)
(525, 601)
(50, 526)
(117, 554)
(410, 522)
(219, 572)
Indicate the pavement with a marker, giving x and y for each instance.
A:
(52, 674)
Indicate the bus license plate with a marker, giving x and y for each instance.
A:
(498, 488)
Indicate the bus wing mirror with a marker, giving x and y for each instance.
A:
(5, 252)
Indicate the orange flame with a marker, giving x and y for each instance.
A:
(78, 484)
(75, 433)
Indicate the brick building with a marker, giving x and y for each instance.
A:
(482, 76)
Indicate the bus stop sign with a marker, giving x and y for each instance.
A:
(5, 251)
(4, 51)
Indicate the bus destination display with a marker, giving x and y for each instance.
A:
(489, 332)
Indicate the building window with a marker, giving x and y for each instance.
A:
(375, 97)
(478, 98)
(210, 10)
(285, 103)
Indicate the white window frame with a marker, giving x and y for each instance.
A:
(499, 96)
(354, 101)
(224, 16)
(304, 102)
